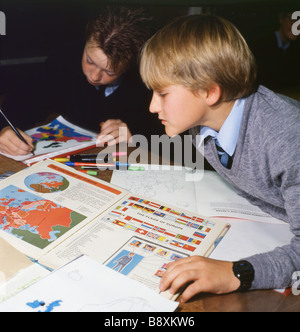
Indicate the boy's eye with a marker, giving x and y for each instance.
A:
(89, 61)
(162, 95)
(110, 74)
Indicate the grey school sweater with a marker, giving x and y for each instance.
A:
(266, 171)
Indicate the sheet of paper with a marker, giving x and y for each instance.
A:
(86, 286)
(208, 195)
(169, 184)
(247, 238)
(217, 198)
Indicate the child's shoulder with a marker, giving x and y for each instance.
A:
(275, 100)
(275, 119)
(273, 108)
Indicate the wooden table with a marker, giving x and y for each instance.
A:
(255, 301)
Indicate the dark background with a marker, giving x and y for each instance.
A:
(34, 28)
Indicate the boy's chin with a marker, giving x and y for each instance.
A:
(172, 133)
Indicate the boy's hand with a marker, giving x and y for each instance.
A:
(202, 275)
(11, 144)
(113, 132)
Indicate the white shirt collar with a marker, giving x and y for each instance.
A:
(229, 132)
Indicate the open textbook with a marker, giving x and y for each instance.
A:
(57, 138)
(53, 214)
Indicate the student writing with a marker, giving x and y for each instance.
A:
(90, 82)
(203, 78)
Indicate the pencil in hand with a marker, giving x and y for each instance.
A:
(16, 131)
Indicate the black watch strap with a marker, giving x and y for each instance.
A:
(244, 271)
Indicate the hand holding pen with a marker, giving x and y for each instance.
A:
(13, 141)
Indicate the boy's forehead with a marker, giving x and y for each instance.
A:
(97, 55)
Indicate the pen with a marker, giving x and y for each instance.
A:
(90, 159)
(78, 164)
(130, 168)
(97, 156)
(93, 173)
(136, 168)
(14, 129)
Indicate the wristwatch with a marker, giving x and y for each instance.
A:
(244, 271)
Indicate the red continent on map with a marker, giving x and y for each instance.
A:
(44, 216)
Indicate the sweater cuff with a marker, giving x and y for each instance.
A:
(264, 278)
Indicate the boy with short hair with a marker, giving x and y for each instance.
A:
(89, 82)
(203, 76)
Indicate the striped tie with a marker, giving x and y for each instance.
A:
(225, 159)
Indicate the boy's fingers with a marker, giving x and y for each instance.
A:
(14, 150)
(113, 132)
(15, 144)
(12, 144)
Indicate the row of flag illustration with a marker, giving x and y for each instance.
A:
(164, 237)
(161, 234)
(179, 217)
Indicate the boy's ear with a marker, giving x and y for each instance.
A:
(213, 95)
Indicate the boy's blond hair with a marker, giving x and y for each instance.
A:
(198, 52)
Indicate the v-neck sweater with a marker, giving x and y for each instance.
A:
(266, 171)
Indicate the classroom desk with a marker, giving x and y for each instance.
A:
(255, 301)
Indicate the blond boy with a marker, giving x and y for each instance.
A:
(203, 74)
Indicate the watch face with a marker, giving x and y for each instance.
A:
(244, 271)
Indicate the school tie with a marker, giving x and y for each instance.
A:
(224, 157)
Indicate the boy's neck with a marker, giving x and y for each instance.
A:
(219, 114)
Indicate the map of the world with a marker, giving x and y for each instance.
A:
(34, 219)
(45, 182)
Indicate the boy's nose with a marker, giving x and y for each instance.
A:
(96, 75)
(155, 104)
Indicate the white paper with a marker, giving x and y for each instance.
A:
(209, 194)
(247, 238)
(86, 286)
(165, 183)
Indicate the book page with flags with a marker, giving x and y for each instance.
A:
(139, 237)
